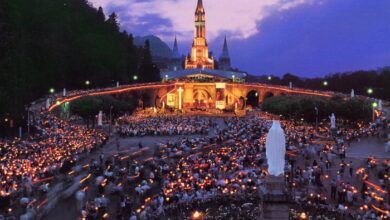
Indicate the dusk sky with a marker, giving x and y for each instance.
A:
(305, 37)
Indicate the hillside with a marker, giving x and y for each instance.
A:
(158, 47)
(61, 44)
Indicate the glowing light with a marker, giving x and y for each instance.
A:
(269, 78)
(303, 216)
(135, 77)
(374, 105)
(325, 83)
(197, 215)
(52, 90)
(87, 82)
(370, 91)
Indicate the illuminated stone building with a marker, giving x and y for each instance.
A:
(200, 57)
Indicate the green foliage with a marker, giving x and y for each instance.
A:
(148, 67)
(61, 44)
(360, 81)
(297, 107)
(88, 107)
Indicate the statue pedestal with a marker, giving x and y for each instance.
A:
(275, 199)
(276, 189)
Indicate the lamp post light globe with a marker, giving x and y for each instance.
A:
(135, 77)
(51, 90)
(269, 78)
(374, 104)
(370, 91)
(87, 82)
(325, 83)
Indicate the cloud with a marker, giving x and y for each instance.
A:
(239, 19)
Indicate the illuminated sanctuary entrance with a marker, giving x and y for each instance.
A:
(202, 99)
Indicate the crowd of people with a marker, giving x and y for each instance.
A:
(162, 126)
(202, 174)
(331, 187)
(218, 174)
(29, 166)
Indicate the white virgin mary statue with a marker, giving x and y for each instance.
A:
(333, 121)
(275, 149)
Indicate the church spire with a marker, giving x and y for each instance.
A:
(225, 50)
(199, 7)
(224, 59)
(200, 57)
(175, 49)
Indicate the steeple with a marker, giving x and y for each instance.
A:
(200, 57)
(199, 7)
(224, 59)
(175, 50)
(225, 50)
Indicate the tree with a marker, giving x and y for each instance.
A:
(39, 52)
(148, 71)
(100, 15)
(86, 107)
(297, 107)
(112, 21)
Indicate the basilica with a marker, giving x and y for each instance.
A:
(200, 57)
(200, 79)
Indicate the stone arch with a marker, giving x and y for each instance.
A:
(253, 98)
(267, 95)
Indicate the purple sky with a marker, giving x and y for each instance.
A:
(305, 37)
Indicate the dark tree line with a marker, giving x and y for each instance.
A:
(304, 107)
(62, 44)
(88, 107)
(360, 81)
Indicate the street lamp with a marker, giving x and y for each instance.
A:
(135, 77)
(325, 83)
(374, 106)
(370, 91)
(52, 90)
(87, 83)
(269, 78)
